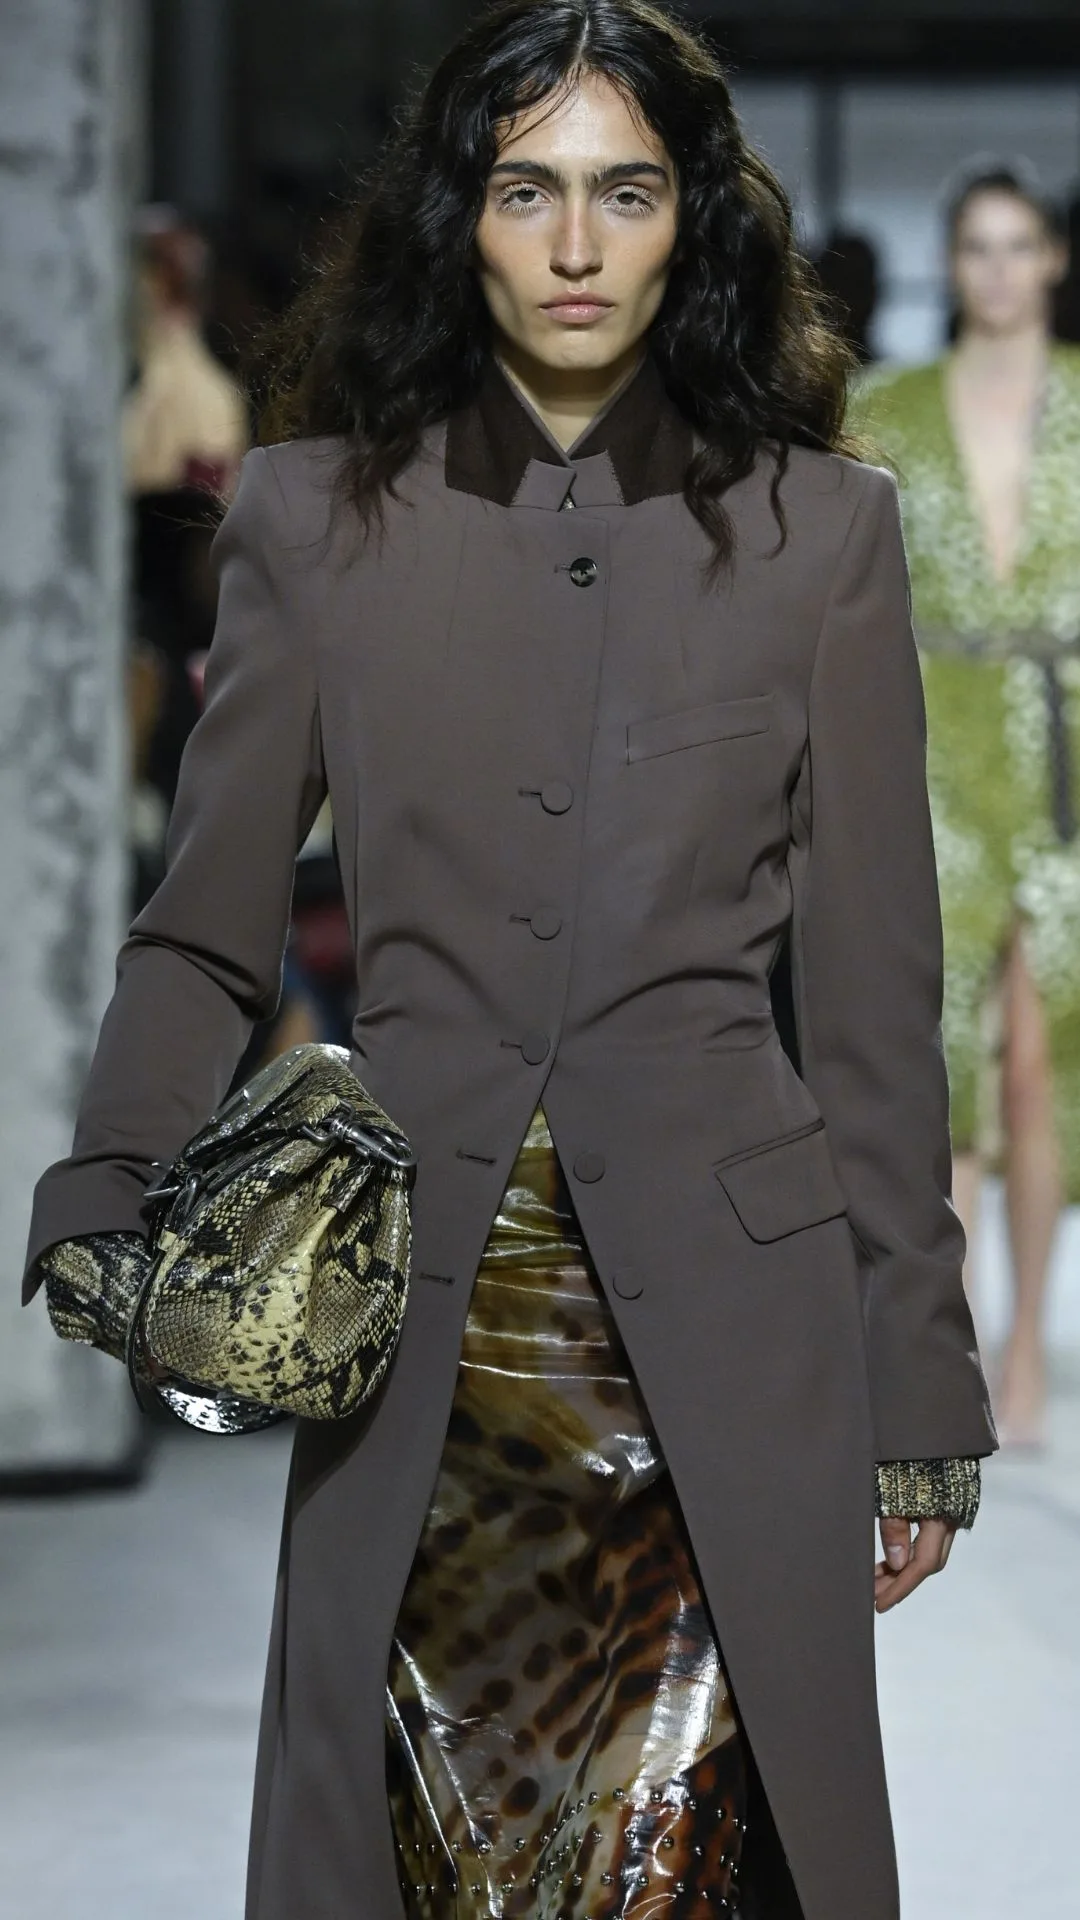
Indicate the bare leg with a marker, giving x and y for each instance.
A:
(967, 1188)
(1033, 1193)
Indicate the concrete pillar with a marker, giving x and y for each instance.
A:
(68, 81)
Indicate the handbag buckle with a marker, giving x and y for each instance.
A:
(176, 1198)
(376, 1141)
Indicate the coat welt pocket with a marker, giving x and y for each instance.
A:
(787, 1184)
(698, 726)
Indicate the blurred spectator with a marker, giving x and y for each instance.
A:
(185, 423)
(185, 433)
(175, 601)
(847, 267)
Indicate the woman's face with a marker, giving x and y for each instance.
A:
(1004, 264)
(575, 242)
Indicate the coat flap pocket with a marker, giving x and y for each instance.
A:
(697, 726)
(788, 1184)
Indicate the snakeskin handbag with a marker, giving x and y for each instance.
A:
(277, 1268)
(279, 1253)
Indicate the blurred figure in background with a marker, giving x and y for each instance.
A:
(986, 445)
(185, 422)
(185, 432)
(848, 269)
(174, 601)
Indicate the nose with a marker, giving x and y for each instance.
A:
(576, 247)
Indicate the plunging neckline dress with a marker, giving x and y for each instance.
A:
(1001, 671)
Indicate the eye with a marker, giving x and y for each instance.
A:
(521, 197)
(631, 199)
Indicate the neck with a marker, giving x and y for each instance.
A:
(166, 324)
(568, 399)
(1019, 354)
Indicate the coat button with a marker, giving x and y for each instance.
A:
(589, 1167)
(583, 572)
(546, 923)
(556, 797)
(628, 1284)
(535, 1048)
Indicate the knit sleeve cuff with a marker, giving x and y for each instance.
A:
(92, 1284)
(929, 1490)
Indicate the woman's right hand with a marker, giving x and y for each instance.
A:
(908, 1562)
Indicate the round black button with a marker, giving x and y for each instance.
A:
(546, 923)
(556, 797)
(535, 1048)
(583, 572)
(590, 1167)
(628, 1283)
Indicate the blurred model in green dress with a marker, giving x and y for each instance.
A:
(986, 445)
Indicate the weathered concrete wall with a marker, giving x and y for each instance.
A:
(68, 73)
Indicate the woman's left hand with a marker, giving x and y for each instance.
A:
(909, 1562)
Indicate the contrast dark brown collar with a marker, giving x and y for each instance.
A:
(493, 442)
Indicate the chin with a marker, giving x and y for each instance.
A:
(1008, 319)
(584, 352)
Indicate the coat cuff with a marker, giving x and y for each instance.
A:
(929, 1490)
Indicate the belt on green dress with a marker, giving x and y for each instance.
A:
(1062, 780)
(1045, 650)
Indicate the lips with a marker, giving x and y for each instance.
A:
(585, 307)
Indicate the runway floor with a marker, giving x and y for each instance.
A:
(132, 1632)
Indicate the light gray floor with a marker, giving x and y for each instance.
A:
(980, 1691)
(132, 1638)
(132, 1631)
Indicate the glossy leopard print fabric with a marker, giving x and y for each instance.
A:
(561, 1743)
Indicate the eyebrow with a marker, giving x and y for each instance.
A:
(603, 177)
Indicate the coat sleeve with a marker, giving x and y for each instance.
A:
(203, 960)
(867, 966)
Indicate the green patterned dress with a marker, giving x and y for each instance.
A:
(1001, 668)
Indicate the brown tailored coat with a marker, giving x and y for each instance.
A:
(581, 796)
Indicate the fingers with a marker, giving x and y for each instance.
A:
(928, 1554)
(896, 1542)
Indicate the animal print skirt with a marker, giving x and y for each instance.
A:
(561, 1743)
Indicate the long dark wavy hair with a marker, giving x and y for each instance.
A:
(393, 332)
